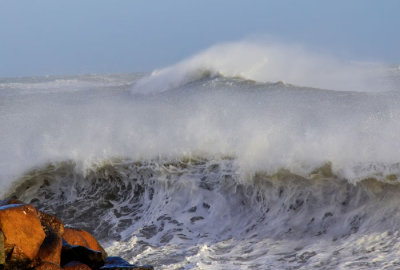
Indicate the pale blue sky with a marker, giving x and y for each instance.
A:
(39, 37)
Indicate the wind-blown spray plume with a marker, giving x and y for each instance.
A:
(268, 62)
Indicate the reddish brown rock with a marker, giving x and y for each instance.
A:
(80, 237)
(92, 242)
(76, 266)
(50, 221)
(50, 250)
(2, 254)
(23, 234)
(74, 237)
(35, 240)
(47, 266)
(83, 247)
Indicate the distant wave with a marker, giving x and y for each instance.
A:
(266, 62)
(59, 84)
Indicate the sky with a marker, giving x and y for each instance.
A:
(47, 37)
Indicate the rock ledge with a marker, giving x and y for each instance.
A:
(34, 240)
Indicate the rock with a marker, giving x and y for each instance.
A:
(50, 250)
(80, 237)
(32, 240)
(94, 259)
(50, 221)
(117, 263)
(81, 246)
(47, 266)
(92, 242)
(2, 254)
(23, 234)
(76, 266)
(74, 237)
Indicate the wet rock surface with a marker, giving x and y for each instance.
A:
(82, 238)
(92, 258)
(31, 239)
(48, 266)
(50, 221)
(23, 235)
(50, 250)
(76, 266)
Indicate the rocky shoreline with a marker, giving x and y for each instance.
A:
(31, 239)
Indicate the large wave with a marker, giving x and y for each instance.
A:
(198, 214)
(216, 163)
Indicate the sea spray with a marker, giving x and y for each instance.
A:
(265, 126)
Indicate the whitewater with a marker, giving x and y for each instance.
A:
(245, 156)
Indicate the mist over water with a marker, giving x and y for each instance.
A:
(206, 105)
(275, 144)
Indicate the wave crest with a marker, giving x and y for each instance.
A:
(268, 62)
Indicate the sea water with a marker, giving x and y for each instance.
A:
(245, 156)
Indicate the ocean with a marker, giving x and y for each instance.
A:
(241, 157)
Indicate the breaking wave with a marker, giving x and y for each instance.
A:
(199, 214)
(245, 155)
